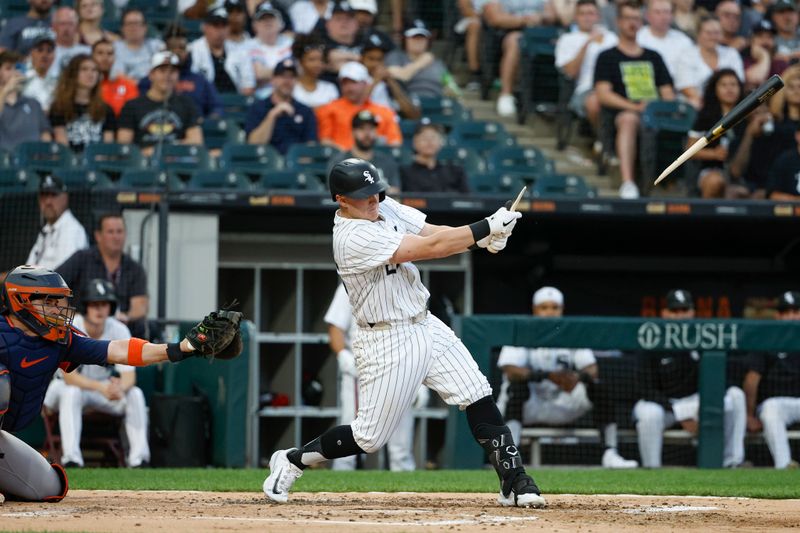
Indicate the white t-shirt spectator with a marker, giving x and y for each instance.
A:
(134, 64)
(57, 242)
(568, 46)
(268, 55)
(237, 65)
(41, 89)
(694, 72)
(670, 47)
(324, 93)
(305, 16)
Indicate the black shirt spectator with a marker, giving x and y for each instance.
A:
(150, 120)
(426, 174)
(635, 78)
(83, 130)
(784, 176)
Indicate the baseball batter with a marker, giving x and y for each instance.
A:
(399, 344)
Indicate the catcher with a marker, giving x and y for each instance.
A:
(37, 338)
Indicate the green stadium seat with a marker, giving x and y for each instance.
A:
(401, 154)
(113, 159)
(444, 111)
(149, 180)
(252, 160)
(17, 180)
(480, 136)
(555, 185)
(219, 179)
(236, 106)
(527, 162)
(44, 157)
(665, 126)
(495, 183)
(77, 179)
(218, 132)
(407, 127)
(182, 159)
(310, 158)
(289, 180)
(538, 81)
(471, 162)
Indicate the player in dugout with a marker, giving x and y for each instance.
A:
(37, 338)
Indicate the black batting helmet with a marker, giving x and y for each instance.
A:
(101, 290)
(356, 178)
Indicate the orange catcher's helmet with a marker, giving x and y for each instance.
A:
(39, 298)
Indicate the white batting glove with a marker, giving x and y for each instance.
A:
(347, 362)
(503, 220)
(498, 243)
(483, 243)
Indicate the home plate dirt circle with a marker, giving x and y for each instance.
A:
(198, 512)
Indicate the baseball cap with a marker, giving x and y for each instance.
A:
(52, 184)
(762, 26)
(426, 123)
(364, 116)
(783, 5)
(374, 40)
(679, 300)
(370, 6)
(343, 7)
(164, 58)
(47, 36)
(216, 14)
(417, 27)
(548, 294)
(287, 65)
(353, 70)
(266, 9)
(789, 301)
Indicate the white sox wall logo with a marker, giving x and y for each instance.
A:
(368, 177)
(688, 336)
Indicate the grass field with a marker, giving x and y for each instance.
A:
(753, 483)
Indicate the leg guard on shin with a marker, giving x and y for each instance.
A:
(334, 443)
(62, 476)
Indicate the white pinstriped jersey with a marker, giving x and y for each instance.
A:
(378, 290)
(339, 314)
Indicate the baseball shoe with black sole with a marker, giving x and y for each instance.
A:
(523, 493)
(282, 475)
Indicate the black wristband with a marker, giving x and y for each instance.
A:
(175, 354)
(480, 229)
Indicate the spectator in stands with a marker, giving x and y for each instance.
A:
(729, 14)
(626, 78)
(200, 90)
(385, 89)
(669, 384)
(340, 35)
(364, 127)
(107, 389)
(784, 17)
(269, 46)
(426, 173)
(116, 90)
(238, 22)
(685, 17)
(759, 58)
(510, 17)
(309, 51)
(40, 85)
(470, 27)
(61, 235)
(723, 91)
(90, 19)
(772, 388)
(65, 25)
(135, 50)
(310, 15)
(697, 63)
(576, 55)
(555, 386)
(415, 65)
(659, 35)
(79, 116)
(107, 260)
(335, 119)
(280, 120)
(760, 145)
(20, 32)
(160, 115)
(784, 175)
(21, 117)
(214, 57)
(366, 13)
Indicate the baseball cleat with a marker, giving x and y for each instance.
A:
(282, 475)
(524, 493)
(612, 459)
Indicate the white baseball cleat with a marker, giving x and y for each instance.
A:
(282, 475)
(612, 459)
(523, 493)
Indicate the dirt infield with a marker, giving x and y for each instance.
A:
(196, 512)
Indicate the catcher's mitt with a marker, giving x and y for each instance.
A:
(217, 335)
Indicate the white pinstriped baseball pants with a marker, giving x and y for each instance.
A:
(776, 414)
(392, 363)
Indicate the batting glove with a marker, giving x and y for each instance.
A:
(347, 362)
(498, 243)
(503, 220)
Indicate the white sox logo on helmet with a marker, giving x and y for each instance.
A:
(368, 177)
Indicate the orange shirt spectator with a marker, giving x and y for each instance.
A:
(335, 120)
(118, 91)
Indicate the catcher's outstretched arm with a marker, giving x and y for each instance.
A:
(138, 352)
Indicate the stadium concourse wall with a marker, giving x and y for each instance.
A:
(713, 338)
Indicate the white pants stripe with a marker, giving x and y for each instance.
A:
(776, 414)
(393, 363)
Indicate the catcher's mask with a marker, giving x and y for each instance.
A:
(39, 298)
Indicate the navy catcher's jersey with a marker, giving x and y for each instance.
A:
(32, 361)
